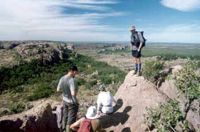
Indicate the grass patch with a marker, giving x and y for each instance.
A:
(164, 52)
(41, 91)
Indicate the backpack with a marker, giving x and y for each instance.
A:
(85, 126)
(135, 40)
(144, 43)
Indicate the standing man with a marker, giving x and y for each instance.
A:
(137, 42)
(69, 89)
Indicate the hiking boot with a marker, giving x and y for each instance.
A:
(135, 72)
(139, 73)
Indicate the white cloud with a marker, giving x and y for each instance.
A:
(96, 1)
(46, 19)
(182, 5)
(188, 33)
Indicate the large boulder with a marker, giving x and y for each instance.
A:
(135, 95)
(193, 115)
(169, 89)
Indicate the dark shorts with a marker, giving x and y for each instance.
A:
(136, 54)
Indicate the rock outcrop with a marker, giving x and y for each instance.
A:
(38, 119)
(13, 53)
(46, 53)
(135, 95)
(193, 115)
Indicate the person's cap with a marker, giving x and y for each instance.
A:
(132, 28)
(91, 112)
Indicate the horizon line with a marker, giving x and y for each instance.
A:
(65, 41)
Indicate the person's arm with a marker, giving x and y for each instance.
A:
(73, 91)
(75, 126)
(59, 87)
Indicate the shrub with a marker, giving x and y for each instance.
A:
(17, 107)
(81, 81)
(166, 117)
(169, 57)
(106, 79)
(188, 81)
(106, 73)
(151, 69)
(90, 84)
(41, 91)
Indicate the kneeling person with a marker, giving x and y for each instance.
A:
(104, 101)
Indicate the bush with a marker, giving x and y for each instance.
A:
(90, 84)
(17, 107)
(106, 73)
(81, 81)
(151, 69)
(106, 79)
(188, 81)
(166, 117)
(41, 91)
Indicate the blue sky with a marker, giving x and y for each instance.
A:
(100, 20)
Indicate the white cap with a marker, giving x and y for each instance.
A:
(91, 112)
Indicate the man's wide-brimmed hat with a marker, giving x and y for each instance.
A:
(91, 112)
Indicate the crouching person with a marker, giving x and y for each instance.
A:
(105, 101)
(89, 123)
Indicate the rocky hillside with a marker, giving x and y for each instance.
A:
(30, 73)
(13, 53)
(134, 97)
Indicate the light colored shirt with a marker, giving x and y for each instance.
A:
(104, 102)
(67, 85)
